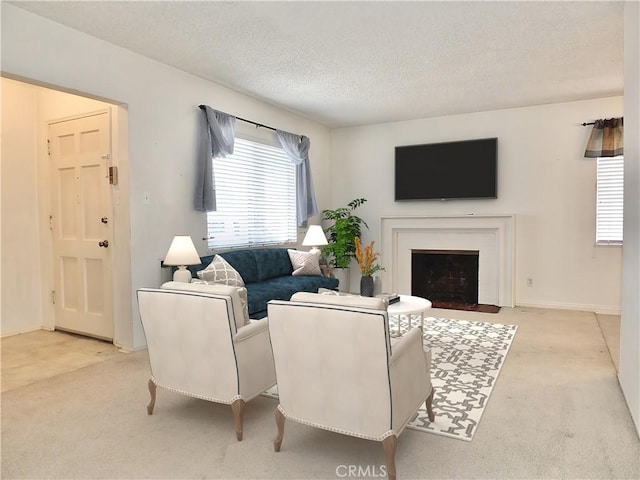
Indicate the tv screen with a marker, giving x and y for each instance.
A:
(464, 169)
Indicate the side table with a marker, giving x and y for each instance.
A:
(411, 307)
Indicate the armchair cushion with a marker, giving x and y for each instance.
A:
(354, 301)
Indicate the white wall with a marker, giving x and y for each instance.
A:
(162, 135)
(630, 319)
(21, 305)
(542, 178)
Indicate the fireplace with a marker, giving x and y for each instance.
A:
(492, 236)
(445, 276)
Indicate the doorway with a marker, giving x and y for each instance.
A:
(29, 301)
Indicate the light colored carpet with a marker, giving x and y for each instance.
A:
(555, 412)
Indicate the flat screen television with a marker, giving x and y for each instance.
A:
(462, 169)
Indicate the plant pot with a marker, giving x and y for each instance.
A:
(366, 286)
(342, 274)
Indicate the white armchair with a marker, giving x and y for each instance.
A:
(337, 369)
(200, 346)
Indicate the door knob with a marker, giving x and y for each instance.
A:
(104, 243)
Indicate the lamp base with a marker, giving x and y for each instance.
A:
(182, 275)
(315, 250)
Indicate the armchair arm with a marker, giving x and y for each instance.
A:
(404, 344)
(410, 377)
(253, 328)
(256, 370)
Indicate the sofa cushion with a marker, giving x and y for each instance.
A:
(304, 263)
(272, 263)
(282, 288)
(220, 271)
(244, 262)
(240, 314)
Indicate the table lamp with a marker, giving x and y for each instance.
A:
(181, 253)
(315, 237)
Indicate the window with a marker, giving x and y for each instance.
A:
(256, 197)
(609, 198)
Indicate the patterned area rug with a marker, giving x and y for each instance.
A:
(466, 358)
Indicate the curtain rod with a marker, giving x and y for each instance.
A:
(258, 125)
(591, 123)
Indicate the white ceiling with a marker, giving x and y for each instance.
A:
(354, 63)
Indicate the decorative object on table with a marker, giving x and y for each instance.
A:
(341, 236)
(314, 238)
(391, 298)
(367, 262)
(182, 252)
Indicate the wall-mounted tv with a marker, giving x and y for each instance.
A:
(462, 169)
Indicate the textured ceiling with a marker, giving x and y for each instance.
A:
(353, 63)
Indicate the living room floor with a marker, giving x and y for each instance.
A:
(33, 356)
(75, 407)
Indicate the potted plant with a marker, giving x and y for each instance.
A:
(341, 236)
(367, 257)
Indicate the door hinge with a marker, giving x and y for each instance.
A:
(53, 297)
(51, 222)
(48, 147)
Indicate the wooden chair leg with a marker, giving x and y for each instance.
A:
(280, 424)
(152, 391)
(389, 446)
(429, 404)
(237, 408)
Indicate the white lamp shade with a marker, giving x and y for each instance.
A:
(182, 252)
(315, 237)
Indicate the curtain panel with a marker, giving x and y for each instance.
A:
(217, 136)
(607, 138)
(297, 149)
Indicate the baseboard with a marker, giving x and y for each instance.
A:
(600, 309)
(18, 332)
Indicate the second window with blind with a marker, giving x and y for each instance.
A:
(256, 197)
(609, 200)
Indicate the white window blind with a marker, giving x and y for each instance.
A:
(609, 201)
(256, 198)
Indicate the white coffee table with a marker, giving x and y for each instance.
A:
(411, 307)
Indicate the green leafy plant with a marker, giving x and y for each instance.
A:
(342, 234)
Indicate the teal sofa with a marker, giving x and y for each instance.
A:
(266, 273)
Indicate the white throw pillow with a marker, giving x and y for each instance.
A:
(305, 263)
(220, 271)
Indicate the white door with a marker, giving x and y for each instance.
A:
(80, 150)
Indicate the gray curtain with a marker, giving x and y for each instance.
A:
(217, 134)
(297, 149)
(607, 138)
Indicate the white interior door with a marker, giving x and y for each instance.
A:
(80, 151)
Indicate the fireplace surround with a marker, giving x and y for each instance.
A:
(491, 235)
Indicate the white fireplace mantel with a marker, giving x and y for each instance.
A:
(491, 235)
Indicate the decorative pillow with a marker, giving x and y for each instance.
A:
(242, 294)
(219, 271)
(305, 263)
